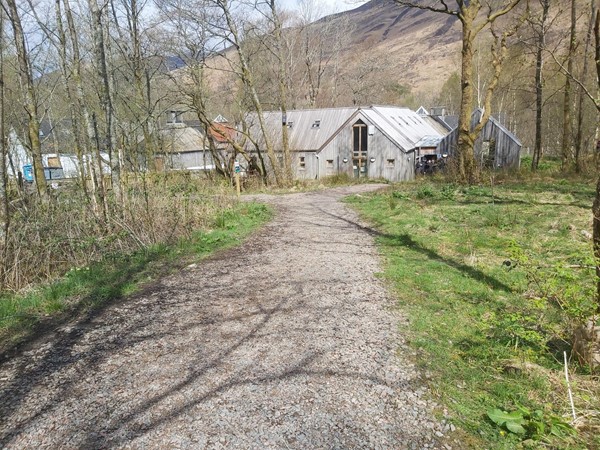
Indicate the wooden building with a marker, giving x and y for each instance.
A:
(373, 142)
(182, 148)
(496, 147)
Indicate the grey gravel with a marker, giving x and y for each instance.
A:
(289, 341)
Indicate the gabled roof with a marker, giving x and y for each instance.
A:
(222, 132)
(437, 123)
(312, 129)
(476, 117)
(402, 125)
(181, 139)
(308, 129)
(449, 122)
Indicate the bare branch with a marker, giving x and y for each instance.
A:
(577, 81)
(443, 9)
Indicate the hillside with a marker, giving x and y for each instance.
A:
(422, 46)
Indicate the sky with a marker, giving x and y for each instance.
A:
(327, 6)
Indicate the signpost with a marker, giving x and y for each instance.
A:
(237, 170)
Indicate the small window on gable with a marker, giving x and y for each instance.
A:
(174, 117)
(391, 162)
(316, 124)
(330, 163)
(302, 162)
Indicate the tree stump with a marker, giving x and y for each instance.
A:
(586, 343)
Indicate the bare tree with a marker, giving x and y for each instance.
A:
(471, 15)
(596, 205)
(4, 211)
(567, 106)
(234, 37)
(279, 51)
(578, 141)
(135, 68)
(540, 28)
(29, 93)
(320, 45)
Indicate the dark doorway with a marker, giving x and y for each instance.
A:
(359, 153)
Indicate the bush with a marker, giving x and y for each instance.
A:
(47, 238)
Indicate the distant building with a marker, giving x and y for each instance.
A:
(182, 147)
(496, 147)
(184, 144)
(374, 142)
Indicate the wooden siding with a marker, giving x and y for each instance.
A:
(311, 162)
(379, 146)
(188, 160)
(508, 147)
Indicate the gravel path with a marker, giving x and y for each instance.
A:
(286, 342)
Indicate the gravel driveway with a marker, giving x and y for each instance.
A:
(288, 341)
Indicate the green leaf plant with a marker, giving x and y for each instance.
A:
(531, 424)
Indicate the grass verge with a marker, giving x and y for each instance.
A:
(493, 280)
(118, 275)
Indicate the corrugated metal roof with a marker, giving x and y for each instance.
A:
(476, 118)
(450, 122)
(303, 133)
(403, 125)
(428, 141)
(181, 139)
(439, 125)
(310, 129)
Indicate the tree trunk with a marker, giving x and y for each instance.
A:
(539, 86)
(100, 62)
(88, 136)
(596, 205)
(567, 119)
(578, 143)
(282, 87)
(31, 107)
(248, 80)
(4, 211)
(465, 158)
(61, 46)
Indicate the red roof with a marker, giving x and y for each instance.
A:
(221, 132)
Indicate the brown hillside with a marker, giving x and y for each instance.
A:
(422, 46)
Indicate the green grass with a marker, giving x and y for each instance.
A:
(116, 276)
(471, 315)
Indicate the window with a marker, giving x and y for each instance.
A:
(316, 124)
(330, 163)
(302, 162)
(359, 135)
(390, 162)
(174, 117)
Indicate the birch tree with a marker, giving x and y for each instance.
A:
(540, 28)
(234, 37)
(567, 105)
(4, 211)
(474, 16)
(29, 95)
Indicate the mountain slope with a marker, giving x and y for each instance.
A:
(422, 46)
